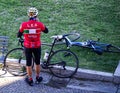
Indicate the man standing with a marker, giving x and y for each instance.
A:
(31, 31)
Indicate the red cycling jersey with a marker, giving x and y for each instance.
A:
(32, 31)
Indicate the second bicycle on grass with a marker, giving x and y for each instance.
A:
(96, 46)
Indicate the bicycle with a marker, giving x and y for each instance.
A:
(73, 36)
(61, 63)
(97, 46)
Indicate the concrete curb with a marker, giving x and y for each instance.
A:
(93, 75)
(117, 74)
(97, 75)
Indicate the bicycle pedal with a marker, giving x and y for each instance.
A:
(44, 66)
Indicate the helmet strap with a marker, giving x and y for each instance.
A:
(32, 18)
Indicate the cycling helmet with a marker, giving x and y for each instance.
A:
(32, 12)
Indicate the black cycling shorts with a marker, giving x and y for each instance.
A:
(29, 52)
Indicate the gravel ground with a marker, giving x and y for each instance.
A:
(13, 84)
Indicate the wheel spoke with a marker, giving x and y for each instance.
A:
(61, 64)
(15, 62)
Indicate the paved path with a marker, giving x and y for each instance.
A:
(13, 84)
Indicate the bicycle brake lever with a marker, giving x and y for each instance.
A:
(18, 41)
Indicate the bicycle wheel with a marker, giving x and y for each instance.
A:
(71, 36)
(63, 63)
(112, 49)
(14, 62)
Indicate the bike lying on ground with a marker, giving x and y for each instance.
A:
(97, 46)
(61, 63)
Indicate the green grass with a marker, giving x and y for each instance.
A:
(91, 18)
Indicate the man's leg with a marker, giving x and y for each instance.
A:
(37, 68)
(29, 79)
(37, 54)
(28, 55)
(29, 71)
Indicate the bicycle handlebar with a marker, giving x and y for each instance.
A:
(65, 35)
(20, 40)
(57, 37)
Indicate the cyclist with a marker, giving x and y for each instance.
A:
(31, 31)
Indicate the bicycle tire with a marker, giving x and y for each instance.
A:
(113, 49)
(60, 59)
(14, 62)
(71, 36)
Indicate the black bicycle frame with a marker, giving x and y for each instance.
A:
(51, 50)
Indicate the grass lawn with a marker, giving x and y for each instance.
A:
(91, 18)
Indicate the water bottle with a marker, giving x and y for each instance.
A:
(46, 55)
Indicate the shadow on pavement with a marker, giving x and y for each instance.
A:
(56, 82)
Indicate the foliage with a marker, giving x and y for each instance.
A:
(91, 18)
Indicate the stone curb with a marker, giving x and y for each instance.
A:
(117, 74)
(93, 75)
(97, 75)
